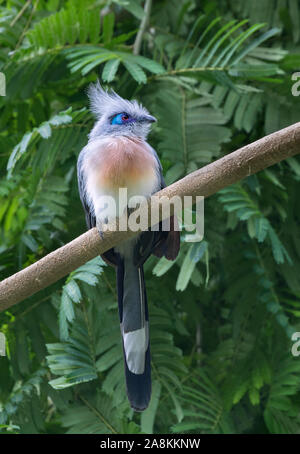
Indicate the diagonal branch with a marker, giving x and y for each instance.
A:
(206, 181)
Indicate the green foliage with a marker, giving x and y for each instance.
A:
(77, 22)
(217, 76)
(204, 410)
(237, 201)
(71, 292)
(28, 387)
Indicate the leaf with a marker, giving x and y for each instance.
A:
(150, 65)
(148, 416)
(162, 266)
(134, 8)
(87, 277)
(254, 396)
(30, 242)
(108, 27)
(67, 306)
(82, 375)
(73, 291)
(18, 151)
(110, 69)
(279, 251)
(135, 71)
(195, 253)
(45, 130)
(262, 226)
(255, 43)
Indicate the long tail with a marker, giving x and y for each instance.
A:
(133, 311)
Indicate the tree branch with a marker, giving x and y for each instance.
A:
(206, 181)
(138, 40)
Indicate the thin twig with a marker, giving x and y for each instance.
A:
(20, 13)
(143, 26)
(27, 23)
(98, 414)
(30, 308)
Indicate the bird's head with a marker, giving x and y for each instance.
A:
(117, 116)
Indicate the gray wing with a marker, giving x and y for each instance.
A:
(90, 219)
(161, 177)
(109, 256)
(159, 243)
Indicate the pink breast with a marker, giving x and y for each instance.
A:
(122, 162)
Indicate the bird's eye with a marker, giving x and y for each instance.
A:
(120, 119)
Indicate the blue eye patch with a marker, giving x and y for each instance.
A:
(121, 119)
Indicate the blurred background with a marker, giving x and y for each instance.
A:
(217, 75)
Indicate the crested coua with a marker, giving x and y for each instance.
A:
(116, 156)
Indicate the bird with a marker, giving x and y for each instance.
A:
(117, 155)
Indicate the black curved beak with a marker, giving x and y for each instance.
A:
(147, 119)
